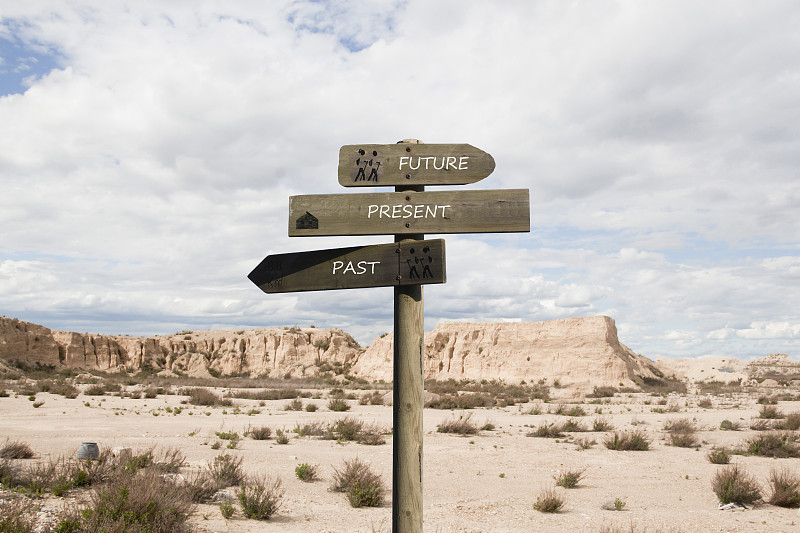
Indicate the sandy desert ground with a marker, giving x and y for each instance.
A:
(486, 482)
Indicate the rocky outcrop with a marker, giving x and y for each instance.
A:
(26, 342)
(579, 352)
(276, 352)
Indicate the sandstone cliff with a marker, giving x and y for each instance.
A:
(578, 352)
(259, 352)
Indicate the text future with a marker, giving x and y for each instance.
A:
(444, 163)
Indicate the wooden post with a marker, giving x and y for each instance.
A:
(407, 398)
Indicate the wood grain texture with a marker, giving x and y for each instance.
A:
(377, 165)
(398, 213)
(382, 265)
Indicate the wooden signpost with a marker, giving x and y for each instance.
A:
(409, 213)
(380, 165)
(407, 264)
(382, 265)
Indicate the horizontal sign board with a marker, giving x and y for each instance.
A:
(382, 265)
(397, 213)
(376, 165)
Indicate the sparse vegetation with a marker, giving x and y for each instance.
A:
(306, 472)
(719, 457)
(549, 501)
(779, 445)
(681, 432)
(260, 498)
(338, 404)
(547, 430)
(462, 425)
(364, 488)
(785, 485)
(13, 449)
(733, 484)
(570, 478)
(628, 441)
(260, 433)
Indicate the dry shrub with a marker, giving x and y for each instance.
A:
(719, 457)
(681, 432)
(260, 433)
(338, 405)
(226, 470)
(17, 515)
(204, 397)
(792, 422)
(14, 449)
(352, 429)
(732, 484)
(780, 445)
(260, 498)
(547, 430)
(785, 486)
(549, 501)
(462, 425)
(137, 502)
(570, 478)
(770, 412)
(364, 487)
(628, 441)
(602, 424)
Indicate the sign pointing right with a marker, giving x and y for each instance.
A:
(378, 165)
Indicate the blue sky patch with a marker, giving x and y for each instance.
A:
(22, 63)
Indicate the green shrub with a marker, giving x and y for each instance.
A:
(681, 432)
(628, 441)
(601, 424)
(311, 407)
(226, 510)
(570, 478)
(306, 472)
(143, 501)
(728, 425)
(719, 457)
(364, 488)
(260, 498)
(226, 470)
(260, 433)
(770, 412)
(17, 515)
(573, 426)
(780, 445)
(785, 488)
(338, 405)
(294, 405)
(732, 484)
(549, 501)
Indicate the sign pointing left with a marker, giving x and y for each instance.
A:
(382, 265)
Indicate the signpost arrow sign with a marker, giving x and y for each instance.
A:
(376, 165)
(396, 213)
(382, 265)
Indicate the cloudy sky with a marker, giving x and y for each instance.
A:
(148, 150)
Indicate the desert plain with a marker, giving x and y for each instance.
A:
(487, 481)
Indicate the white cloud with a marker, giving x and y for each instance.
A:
(148, 173)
